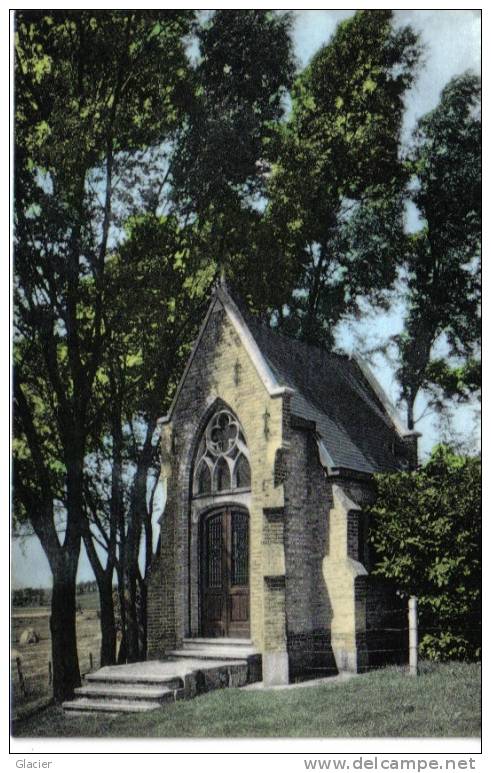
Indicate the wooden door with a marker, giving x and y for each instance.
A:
(225, 574)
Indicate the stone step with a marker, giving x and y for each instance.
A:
(214, 653)
(110, 706)
(126, 692)
(143, 680)
(216, 642)
(150, 685)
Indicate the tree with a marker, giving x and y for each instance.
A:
(335, 191)
(102, 507)
(442, 291)
(170, 262)
(242, 75)
(426, 531)
(161, 280)
(147, 328)
(91, 89)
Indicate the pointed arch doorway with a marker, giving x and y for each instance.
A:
(221, 490)
(225, 573)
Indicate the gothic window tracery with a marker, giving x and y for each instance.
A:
(222, 462)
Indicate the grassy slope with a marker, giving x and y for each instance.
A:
(443, 701)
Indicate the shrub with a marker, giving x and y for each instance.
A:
(425, 529)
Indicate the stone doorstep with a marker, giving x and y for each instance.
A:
(149, 685)
(81, 706)
(219, 648)
(217, 642)
(96, 678)
(225, 654)
(127, 692)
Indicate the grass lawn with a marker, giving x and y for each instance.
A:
(443, 701)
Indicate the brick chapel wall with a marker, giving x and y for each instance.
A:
(221, 370)
(369, 609)
(290, 507)
(385, 638)
(308, 500)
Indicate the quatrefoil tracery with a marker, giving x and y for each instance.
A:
(222, 434)
(222, 460)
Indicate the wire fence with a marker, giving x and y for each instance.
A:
(31, 664)
(386, 635)
(384, 638)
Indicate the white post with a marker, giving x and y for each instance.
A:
(413, 636)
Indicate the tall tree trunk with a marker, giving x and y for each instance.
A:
(104, 577)
(410, 401)
(143, 618)
(137, 517)
(123, 647)
(310, 321)
(132, 627)
(66, 671)
(108, 623)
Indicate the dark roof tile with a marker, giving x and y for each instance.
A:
(331, 390)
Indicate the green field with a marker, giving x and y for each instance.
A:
(443, 701)
(35, 658)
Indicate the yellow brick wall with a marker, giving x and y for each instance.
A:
(344, 578)
(212, 376)
(308, 590)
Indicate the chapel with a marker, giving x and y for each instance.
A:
(268, 455)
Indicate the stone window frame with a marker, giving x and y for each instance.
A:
(212, 457)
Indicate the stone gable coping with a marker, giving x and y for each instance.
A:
(384, 399)
(270, 382)
(341, 497)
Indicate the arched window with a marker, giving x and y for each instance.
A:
(242, 472)
(203, 478)
(222, 475)
(222, 462)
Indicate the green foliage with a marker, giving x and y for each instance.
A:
(91, 89)
(82, 73)
(336, 186)
(160, 284)
(242, 74)
(426, 532)
(94, 90)
(443, 257)
(350, 99)
(457, 383)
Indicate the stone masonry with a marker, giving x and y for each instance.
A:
(314, 609)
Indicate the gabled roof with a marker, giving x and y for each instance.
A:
(356, 426)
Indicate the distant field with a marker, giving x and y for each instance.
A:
(35, 658)
(29, 612)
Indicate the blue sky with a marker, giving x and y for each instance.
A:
(452, 42)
